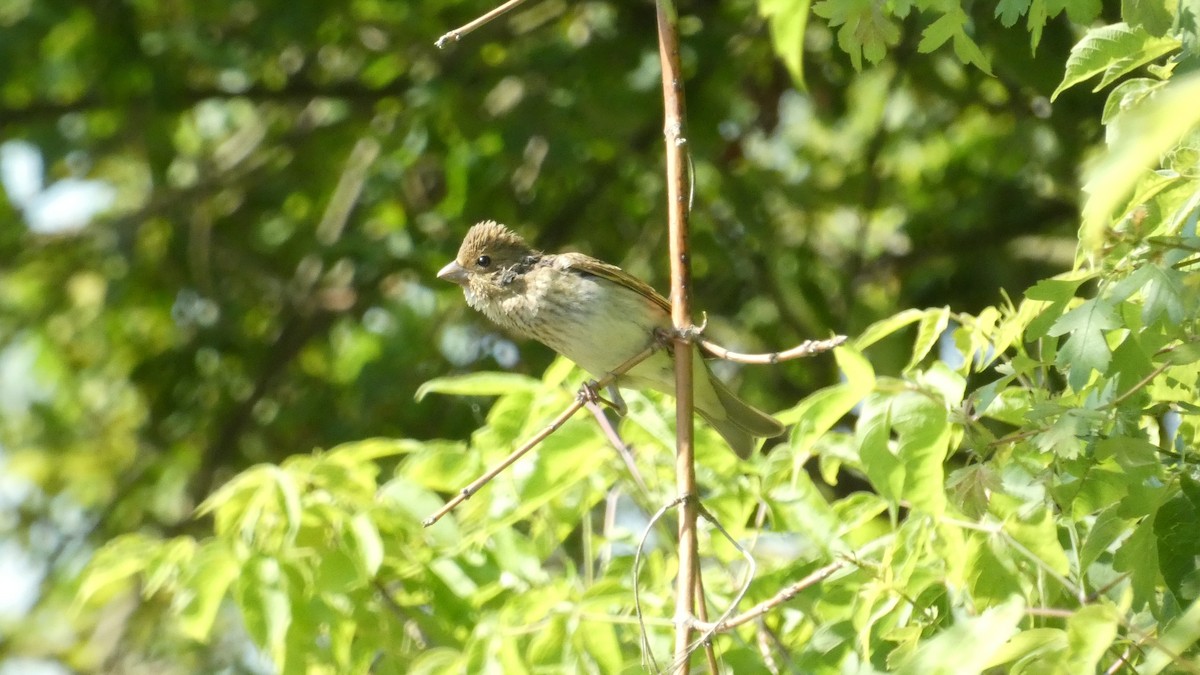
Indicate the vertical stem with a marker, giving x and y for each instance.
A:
(681, 315)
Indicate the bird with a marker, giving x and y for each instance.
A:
(596, 315)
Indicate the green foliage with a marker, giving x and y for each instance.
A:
(1009, 480)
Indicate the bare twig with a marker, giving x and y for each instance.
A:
(710, 654)
(565, 415)
(457, 33)
(701, 617)
(779, 598)
(806, 348)
(751, 572)
(617, 442)
(648, 660)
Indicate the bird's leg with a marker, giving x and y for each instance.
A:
(617, 403)
(588, 392)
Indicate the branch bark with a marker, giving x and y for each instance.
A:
(674, 132)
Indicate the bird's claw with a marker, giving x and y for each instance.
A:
(589, 393)
(665, 336)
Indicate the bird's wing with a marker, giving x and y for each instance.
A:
(584, 264)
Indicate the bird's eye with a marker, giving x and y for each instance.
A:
(483, 261)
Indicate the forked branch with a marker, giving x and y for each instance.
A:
(580, 401)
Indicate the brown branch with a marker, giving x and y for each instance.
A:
(457, 33)
(580, 401)
(806, 348)
(674, 132)
(702, 613)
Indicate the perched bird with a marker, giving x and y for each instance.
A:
(594, 314)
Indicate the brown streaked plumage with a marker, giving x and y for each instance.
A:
(596, 315)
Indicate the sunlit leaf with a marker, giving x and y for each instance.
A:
(478, 384)
(969, 645)
(1112, 50)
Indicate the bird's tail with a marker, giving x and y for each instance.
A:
(743, 423)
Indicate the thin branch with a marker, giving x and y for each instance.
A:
(580, 401)
(457, 33)
(617, 442)
(710, 654)
(648, 661)
(806, 348)
(751, 572)
(1136, 387)
(779, 598)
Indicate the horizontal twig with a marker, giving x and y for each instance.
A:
(807, 348)
(457, 33)
(779, 598)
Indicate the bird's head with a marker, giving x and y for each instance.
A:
(490, 258)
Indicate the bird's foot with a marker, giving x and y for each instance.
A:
(666, 336)
(589, 394)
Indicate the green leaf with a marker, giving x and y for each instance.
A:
(1038, 534)
(1082, 12)
(263, 598)
(1055, 290)
(1178, 546)
(1106, 529)
(1114, 51)
(933, 324)
(1138, 556)
(952, 25)
(1008, 11)
(788, 20)
(1154, 16)
(923, 430)
(800, 507)
(885, 327)
(1087, 349)
(969, 645)
(478, 384)
(600, 642)
(1095, 315)
(1058, 292)
(817, 414)
(367, 546)
(1034, 643)
(1039, 14)
(1090, 632)
(1142, 135)
(1182, 355)
(1165, 294)
(1126, 96)
(873, 433)
(123, 557)
(211, 572)
(865, 30)
(1180, 635)
(971, 486)
(945, 27)
(969, 52)
(912, 470)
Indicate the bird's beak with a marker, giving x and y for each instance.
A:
(454, 273)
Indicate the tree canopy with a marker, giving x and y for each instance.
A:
(231, 387)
